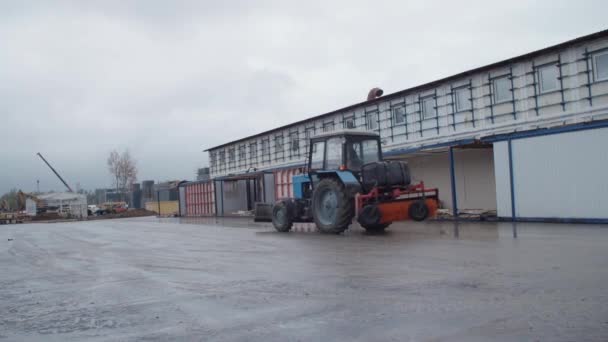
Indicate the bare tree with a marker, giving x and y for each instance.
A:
(123, 169)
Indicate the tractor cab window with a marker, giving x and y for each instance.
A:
(316, 159)
(360, 152)
(370, 151)
(333, 160)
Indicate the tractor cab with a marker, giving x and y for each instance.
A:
(346, 150)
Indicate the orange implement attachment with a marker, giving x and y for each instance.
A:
(399, 210)
(394, 204)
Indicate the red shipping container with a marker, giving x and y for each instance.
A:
(200, 199)
(283, 182)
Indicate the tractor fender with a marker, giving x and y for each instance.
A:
(351, 183)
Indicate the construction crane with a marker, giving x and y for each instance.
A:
(55, 172)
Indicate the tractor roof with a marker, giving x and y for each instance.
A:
(341, 132)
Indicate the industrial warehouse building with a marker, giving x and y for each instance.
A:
(526, 137)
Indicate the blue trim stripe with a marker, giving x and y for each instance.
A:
(546, 131)
(260, 172)
(557, 220)
(428, 147)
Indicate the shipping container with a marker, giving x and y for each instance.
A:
(283, 182)
(199, 199)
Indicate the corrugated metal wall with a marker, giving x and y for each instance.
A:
(182, 201)
(199, 199)
(268, 188)
(283, 182)
(555, 176)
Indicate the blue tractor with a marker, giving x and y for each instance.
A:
(346, 178)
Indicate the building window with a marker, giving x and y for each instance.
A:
(222, 160)
(328, 126)
(242, 155)
(309, 133)
(265, 150)
(294, 144)
(547, 78)
(600, 69)
(279, 150)
(253, 153)
(462, 99)
(502, 89)
(371, 120)
(349, 122)
(231, 158)
(427, 105)
(213, 160)
(398, 114)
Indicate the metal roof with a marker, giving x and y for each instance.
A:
(432, 84)
(346, 132)
(62, 196)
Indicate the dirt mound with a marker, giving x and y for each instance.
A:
(125, 214)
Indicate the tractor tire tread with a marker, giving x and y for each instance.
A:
(375, 228)
(345, 213)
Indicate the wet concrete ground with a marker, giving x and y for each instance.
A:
(149, 279)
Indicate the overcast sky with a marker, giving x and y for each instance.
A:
(166, 79)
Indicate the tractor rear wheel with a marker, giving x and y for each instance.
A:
(282, 216)
(332, 207)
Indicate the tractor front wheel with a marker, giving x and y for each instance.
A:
(332, 207)
(282, 216)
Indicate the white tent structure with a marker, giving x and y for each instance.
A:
(64, 203)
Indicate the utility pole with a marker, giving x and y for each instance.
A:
(158, 201)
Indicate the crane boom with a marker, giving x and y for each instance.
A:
(55, 172)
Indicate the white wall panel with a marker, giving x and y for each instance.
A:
(557, 176)
(434, 170)
(475, 186)
(501, 176)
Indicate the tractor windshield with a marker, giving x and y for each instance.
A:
(360, 152)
